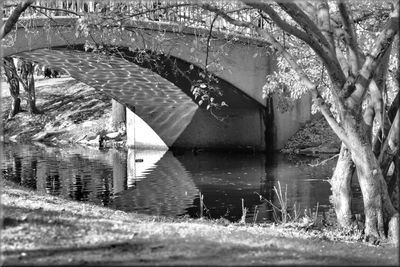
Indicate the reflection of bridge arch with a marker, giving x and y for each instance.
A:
(167, 190)
(109, 178)
(245, 67)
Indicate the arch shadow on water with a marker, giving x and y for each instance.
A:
(167, 183)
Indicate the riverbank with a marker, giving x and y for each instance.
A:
(315, 138)
(47, 230)
(71, 112)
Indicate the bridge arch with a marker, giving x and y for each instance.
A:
(244, 65)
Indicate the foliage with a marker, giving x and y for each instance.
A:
(205, 93)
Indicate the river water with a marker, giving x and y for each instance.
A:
(169, 184)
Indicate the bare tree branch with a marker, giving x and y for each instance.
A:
(166, 7)
(309, 9)
(56, 9)
(342, 61)
(208, 45)
(307, 24)
(327, 55)
(12, 20)
(354, 92)
(225, 16)
(13, 70)
(324, 24)
(391, 145)
(382, 13)
(284, 25)
(384, 129)
(350, 37)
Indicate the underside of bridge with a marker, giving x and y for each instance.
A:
(167, 114)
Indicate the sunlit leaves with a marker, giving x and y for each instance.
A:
(206, 94)
(284, 82)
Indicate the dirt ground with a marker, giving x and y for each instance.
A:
(40, 229)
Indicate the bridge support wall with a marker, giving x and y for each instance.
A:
(286, 124)
(118, 115)
(140, 135)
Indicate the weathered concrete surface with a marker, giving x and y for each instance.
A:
(245, 126)
(288, 123)
(118, 115)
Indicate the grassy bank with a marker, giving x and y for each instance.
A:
(70, 111)
(42, 229)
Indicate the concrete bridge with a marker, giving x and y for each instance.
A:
(164, 114)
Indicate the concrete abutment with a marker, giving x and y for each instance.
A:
(118, 115)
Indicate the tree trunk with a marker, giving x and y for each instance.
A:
(11, 74)
(27, 71)
(383, 131)
(391, 146)
(118, 115)
(341, 187)
(393, 185)
(13, 18)
(15, 107)
(380, 215)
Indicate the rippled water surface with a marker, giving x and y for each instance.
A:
(164, 183)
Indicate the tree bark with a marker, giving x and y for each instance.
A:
(11, 74)
(27, 71)
(384, 129)
(12, 20)
(380, 215)
(341, 187)
(391, 145)
(393, 185)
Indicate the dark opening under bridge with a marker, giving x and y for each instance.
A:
(164, 115)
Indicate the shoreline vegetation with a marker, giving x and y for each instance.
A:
(47, 230)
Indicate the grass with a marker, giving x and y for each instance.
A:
(46, 230)
(309, 220)
(66, 104)
(244, 213)
(281, 212)
(283, 215)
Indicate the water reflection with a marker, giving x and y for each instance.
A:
(158, 184)
(161, 183)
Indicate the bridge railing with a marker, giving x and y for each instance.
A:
(185, 12)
